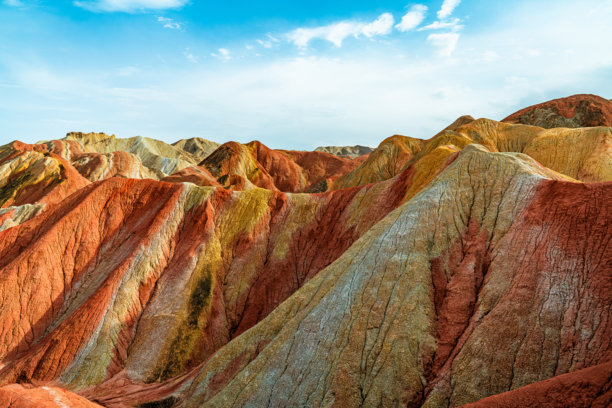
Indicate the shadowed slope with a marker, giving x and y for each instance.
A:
(574, 111)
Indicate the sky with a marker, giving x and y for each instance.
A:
(293, 75)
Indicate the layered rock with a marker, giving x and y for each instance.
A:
(573, 111)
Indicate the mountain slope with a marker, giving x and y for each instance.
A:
(441, 257)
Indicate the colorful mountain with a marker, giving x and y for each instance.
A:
(472, 268)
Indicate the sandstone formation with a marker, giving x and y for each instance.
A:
(572, 112)
(471, 268)
(350, 151)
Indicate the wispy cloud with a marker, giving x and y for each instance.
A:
(412, 18)
(336, 33)
(269, 42)
(447, 8)
(223, 54)
(437, 25)
(445, 43)
(169, 23)
(129, 6)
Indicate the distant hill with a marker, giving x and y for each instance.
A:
(583, 110)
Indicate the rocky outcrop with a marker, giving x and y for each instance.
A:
(349, 151)
(572, 112)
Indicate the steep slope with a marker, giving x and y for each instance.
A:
(198, 148)
(574, 111)
(416, 310)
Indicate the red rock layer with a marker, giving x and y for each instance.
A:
(582, 110)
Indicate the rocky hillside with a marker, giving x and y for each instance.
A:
(473, 268)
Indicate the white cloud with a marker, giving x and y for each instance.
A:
(413, 18)
(436, 25)
(13, 3)
(223, 54)
(129, 6)
(381, 26)
(444, 42)
(447, 8)
(169, 23)
(336, 33)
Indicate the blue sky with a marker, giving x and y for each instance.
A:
(291, 74)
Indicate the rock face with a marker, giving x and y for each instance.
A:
(471, 268)
(350, 151)
(572, 112)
